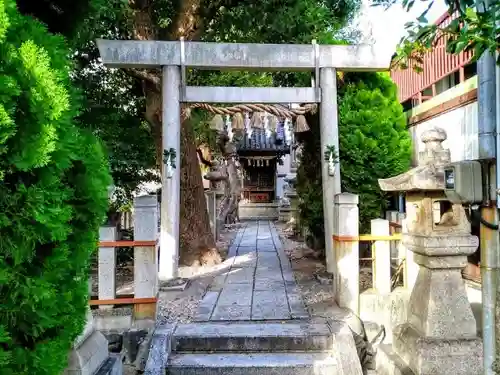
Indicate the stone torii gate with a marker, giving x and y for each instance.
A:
(175, 56)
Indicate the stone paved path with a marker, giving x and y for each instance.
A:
(258, 283)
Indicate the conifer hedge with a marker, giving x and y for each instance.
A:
(374, 143)
(53, 197)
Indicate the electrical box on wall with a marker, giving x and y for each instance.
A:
(463, 182)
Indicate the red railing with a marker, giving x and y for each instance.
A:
(437, 65)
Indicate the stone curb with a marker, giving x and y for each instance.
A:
(159, 350)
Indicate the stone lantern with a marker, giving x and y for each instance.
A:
(439, 335)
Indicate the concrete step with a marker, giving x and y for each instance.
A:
(253, 364)
(252, 337)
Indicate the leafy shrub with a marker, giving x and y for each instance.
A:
(53, 197)
(309, 180)
(374, 143)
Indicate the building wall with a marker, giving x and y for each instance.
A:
(460, 125)
(459, 121)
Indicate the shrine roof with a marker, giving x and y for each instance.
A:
(259, 141)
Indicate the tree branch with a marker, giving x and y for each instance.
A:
(184, 19)
(142, 20)
(144, 75)
(202, 159)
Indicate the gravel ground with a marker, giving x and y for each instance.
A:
(312, 278)
(181, 307)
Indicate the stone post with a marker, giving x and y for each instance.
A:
(211, 197)
(346, 250)
(392, 216)
(145, 257)
(107, 267)
(401, 251)
(439, 335)
(171, 178)
(381, 253)
(411, 268)
(329, 137)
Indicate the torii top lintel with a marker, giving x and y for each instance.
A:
(244, 56)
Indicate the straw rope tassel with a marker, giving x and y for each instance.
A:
(217, 123)
(273, 123)
(301, 124)
(238, 122)
(256, 120)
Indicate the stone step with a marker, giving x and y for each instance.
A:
(388, 362)
(254, 364)
(372, 329)
(252, 337)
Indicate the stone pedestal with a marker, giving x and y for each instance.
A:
(439, 335)
(212, 210)
(289, 205)
(90, 355)
(293, 198)
(214, 198)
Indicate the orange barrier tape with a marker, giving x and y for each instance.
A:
(126, 243)
(367, 237)
(122, 301)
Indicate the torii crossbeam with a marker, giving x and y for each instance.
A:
(173, 57)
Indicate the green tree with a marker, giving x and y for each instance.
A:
(474, 28)
(374, 141)
(374, 144)
(53, 196)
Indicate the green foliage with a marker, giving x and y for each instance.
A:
(53, 196)
(374, 143)
(309, 179)
(270, 21)
(473, 29)
(112, 110)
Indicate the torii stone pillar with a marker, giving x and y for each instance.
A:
(329, 126)
(171, 176)
(173, 56)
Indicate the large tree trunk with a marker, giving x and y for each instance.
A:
(227, 172)
(197, 240)
(197, 245)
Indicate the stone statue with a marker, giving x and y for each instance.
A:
(228, 172)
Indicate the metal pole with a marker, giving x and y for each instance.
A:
(488, 242)
(497, 191)
(329, 130)
(170, 178)
(486, 98)
(489, 147)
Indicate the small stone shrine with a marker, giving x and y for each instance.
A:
(439, 336)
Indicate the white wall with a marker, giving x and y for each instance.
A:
(460, 125)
